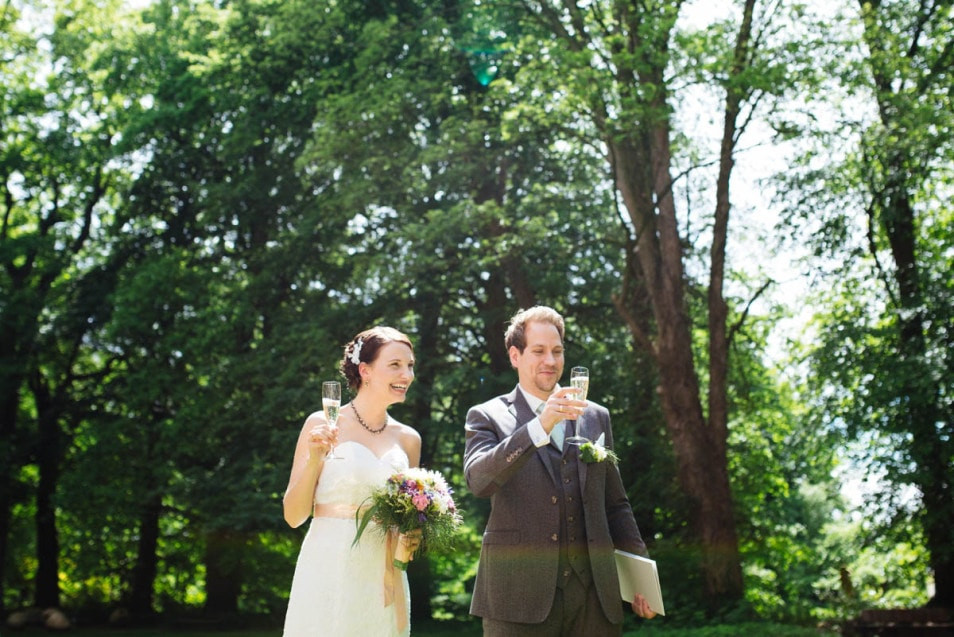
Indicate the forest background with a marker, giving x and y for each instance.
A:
(742, 208)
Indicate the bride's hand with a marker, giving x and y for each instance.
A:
(321, 436)
(412, 541)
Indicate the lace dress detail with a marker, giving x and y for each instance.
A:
(337, 590)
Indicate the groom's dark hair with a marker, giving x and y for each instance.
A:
(516, 332)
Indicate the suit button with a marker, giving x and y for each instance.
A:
(566, 573)
(566, 481)
(569, 519)
(554, 537)
(553, 499)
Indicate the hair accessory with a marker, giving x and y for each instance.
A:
(356, 351)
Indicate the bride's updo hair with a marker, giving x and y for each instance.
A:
(364, 348)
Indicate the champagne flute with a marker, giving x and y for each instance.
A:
(331, 403)
(580, 381)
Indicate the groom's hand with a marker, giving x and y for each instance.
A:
(641, 607)
(561, 405)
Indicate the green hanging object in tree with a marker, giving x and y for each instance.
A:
(483, 38)
(484, 65)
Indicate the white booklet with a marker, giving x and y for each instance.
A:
(637, 574)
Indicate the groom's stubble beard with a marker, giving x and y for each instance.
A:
(547, 386)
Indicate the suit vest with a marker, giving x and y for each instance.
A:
(574, 553)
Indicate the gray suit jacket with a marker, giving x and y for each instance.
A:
(519, 556)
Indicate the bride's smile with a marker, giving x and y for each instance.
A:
(393, 369)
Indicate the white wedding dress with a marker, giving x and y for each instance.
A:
(337, 590)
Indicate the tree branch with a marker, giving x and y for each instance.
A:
(745, 313)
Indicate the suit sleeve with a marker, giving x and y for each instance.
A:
(491, 459)
(619, 511)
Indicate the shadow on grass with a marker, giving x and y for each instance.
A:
(432, 629)
(428, 629)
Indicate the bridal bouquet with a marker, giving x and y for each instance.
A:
(416, 501)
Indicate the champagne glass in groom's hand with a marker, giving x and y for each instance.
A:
(580, 381)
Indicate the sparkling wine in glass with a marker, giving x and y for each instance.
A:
(331, 403)
(580, 381)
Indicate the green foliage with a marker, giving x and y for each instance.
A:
(654, 629)
(257, 181)
(455, 572)
(880, 366)
(885, 571)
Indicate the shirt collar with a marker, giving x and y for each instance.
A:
(532, 400)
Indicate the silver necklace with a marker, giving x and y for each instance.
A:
(365, 425)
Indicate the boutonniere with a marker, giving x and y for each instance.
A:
(596, 451)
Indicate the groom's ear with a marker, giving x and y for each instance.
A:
(514, 354)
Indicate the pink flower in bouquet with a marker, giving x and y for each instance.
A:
(417, 500)
(420, 500)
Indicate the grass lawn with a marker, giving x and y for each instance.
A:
(748, 629)
(443, 629)
(435, 629)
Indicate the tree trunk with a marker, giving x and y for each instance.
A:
(6, 484)
(641, 159)
(700, 454)
(48, 455)
(497, 309)
(925, 418)
(144, 572)
(223, 573)
(641, 162)
(928, 448)
(722, 563)
(18, 326)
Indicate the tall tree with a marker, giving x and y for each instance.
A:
(59, 192)
(616, 63)
(911, 92)
(880, 212)
(236, 101)
(24, 284)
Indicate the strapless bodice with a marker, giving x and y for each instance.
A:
(351, 479)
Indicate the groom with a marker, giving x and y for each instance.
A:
(546, 562)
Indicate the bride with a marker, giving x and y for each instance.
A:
(340, 590)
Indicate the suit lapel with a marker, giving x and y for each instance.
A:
(520, 408)
(523, 414)
(582, 430)
(514, 409)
